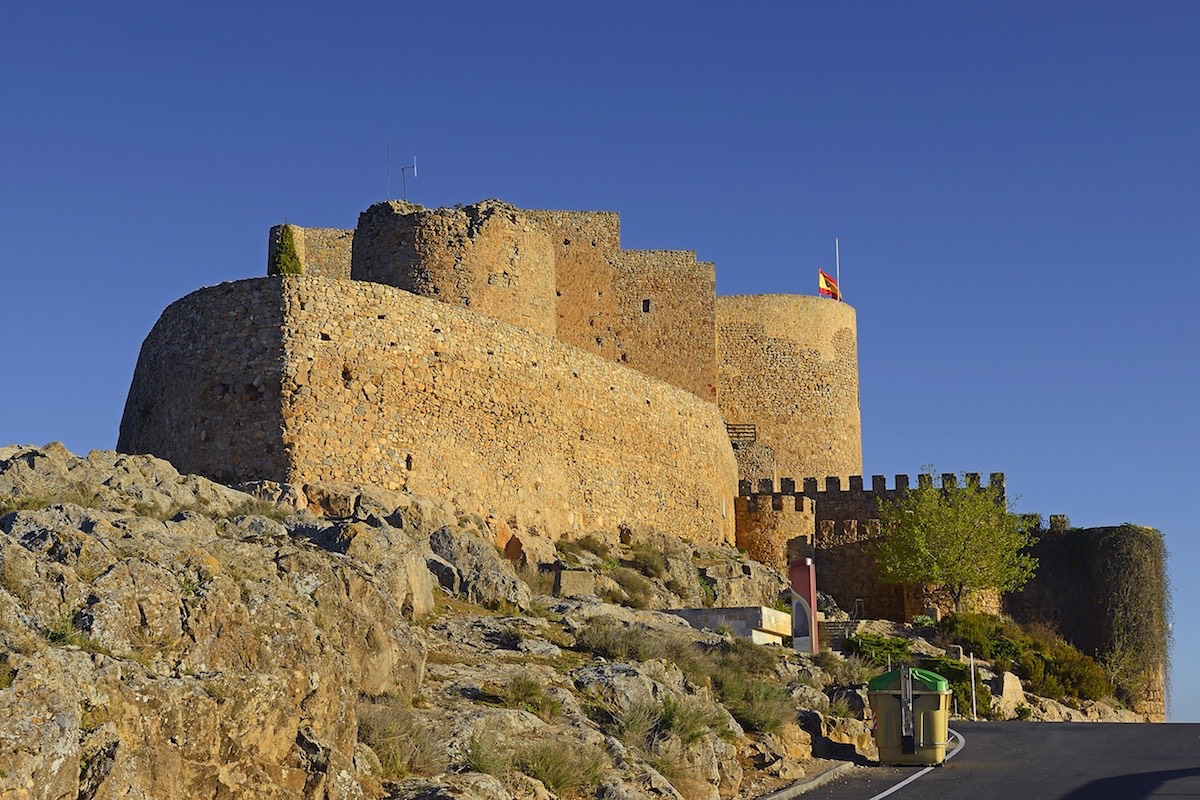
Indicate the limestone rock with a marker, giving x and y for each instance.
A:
(1007, 696)
(741, 582)
(189, 656)
(480, 574)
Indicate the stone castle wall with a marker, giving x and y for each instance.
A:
(488, 257)
(560, 273)
(206, 393)
(650, 310)
(788, 364)
(322, 251)
(769, 522)
(774, 514)
(370, 384)
(1108, 587)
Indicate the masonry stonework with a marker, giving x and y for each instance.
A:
(770, 523)
(322, 251)
(369, 384)
(789, 366)
(206, 393)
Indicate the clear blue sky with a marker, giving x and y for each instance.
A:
(1015, 187)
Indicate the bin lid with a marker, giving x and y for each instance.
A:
(891, 681)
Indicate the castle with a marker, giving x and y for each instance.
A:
(523, 365)
(519, 362)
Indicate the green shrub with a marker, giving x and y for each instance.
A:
(565, 767)
(648, 560)
(757, 704)
(402, 742)
(850, 671)
(708, 595)
(529, 694)
(286, 260)
(616, 642)
(594, 545)
(840, 708)
(924, 621)
(638, 590)
(488, 755)
(644, 725)
(883, 650)
(1049, 666)
(1024, 712)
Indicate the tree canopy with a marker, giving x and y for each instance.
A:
(961, 538)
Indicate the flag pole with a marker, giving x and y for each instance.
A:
(837, 262)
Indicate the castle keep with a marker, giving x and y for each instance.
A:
(520, 362)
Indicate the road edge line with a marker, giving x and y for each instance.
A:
(962, 740)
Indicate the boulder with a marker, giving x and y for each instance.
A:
(479, 575)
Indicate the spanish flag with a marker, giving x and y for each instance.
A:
(827, 285)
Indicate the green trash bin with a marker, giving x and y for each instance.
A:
(918, 735)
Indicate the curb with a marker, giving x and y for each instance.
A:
(797, 789)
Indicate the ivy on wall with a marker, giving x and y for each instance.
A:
(1139, 607)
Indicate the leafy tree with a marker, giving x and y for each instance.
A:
(960, 538)
(286, 260)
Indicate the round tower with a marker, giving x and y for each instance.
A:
(788, 383)
(488, 257)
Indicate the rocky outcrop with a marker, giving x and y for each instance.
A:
(186, 656)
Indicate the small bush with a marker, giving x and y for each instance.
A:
(1024, 712)
(253, 507)
(708, 595)
(539, 582)
(286, 260)
(564, 767)
(840, 708)
(403, 744)
(488, 755)
(1049, 665)
(757, 704)
(638, 590)
(594, 545)
(648, 560)
(851, 671)
(529, 694)
(616, 642)
(924, 621)
(688, 720)
(79, 494)
(883, 650)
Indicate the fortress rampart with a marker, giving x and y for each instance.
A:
(789, 365)
(373, 385)
(207, 390)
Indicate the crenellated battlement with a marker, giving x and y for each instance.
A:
(811, 487)
(772, 519)
(776, 503)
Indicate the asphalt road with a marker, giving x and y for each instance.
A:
(1044, 761)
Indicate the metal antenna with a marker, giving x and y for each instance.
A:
(404, 176)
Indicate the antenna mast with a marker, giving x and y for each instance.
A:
(404, 176)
